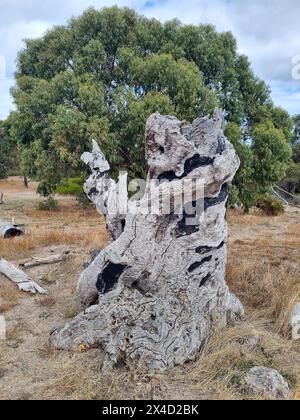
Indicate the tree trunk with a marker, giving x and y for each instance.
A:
(25, 181)
(156, 293)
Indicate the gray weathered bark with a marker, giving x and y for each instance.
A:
(158, 291)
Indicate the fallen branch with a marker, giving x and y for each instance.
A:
(21, 279)
(293, 196)
(286, 203)
(35, 262)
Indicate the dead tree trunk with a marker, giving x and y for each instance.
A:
(159, 290)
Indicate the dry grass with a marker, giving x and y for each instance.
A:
(226, 358)
(265, 275)
(8, 297)
(274, 290)
(24, 245)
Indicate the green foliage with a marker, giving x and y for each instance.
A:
(49, 204)
(8, 150)
(70, 186)
(243, 191)
(42, 165)
(282, 121)
(291, 182)
(270, 206)
(296, 134)
(74, 187)
(296, 153)
(272, 154)
(104, 73)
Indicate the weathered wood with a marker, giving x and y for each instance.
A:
(21, 279)
(155, 295)
(102, 190)
(8, 230)
(53, 259)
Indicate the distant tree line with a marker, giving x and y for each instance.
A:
(104, 73)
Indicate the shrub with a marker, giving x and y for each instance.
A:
(70, 186)
(270, 206)
(74, 187)
(50, 204)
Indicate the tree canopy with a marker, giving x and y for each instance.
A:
(8, 149)
(104, 73)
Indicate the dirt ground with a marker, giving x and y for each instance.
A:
(263, 270)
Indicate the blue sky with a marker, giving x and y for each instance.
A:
(266, 30)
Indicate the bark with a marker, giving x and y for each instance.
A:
(157, 292)
(21, 279)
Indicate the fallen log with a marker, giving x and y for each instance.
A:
(21, 279)
(53, 259)
(8, 230)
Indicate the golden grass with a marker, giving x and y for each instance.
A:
(225, 359)
(24, 245)
(272, 289)
(9, 296)
(15, 184)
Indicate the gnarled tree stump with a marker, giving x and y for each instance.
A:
(157, 292)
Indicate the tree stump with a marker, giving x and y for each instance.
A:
(158, 291)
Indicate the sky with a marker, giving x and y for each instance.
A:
(267, 32)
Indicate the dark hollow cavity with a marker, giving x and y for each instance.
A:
(108, 279)
(205, 280)
(185, 229)
(190, 165)
(12, 233)
(206, 249)
(198, 264)
(93, 191)
(222, 197)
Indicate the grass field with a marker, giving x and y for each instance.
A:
(263, 270)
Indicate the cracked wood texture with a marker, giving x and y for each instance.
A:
(156, 293)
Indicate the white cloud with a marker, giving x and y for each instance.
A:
(287, 94)
(12, 36)
(267, 31)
